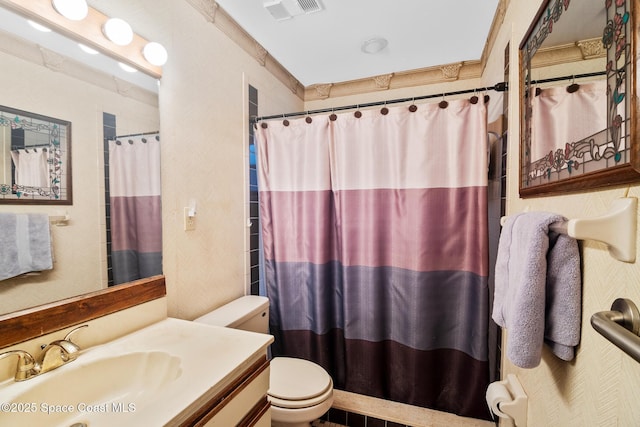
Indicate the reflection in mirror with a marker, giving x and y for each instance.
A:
(577, 86)
(572, 112)
(40, 78)
(36, 151)
(135, 207)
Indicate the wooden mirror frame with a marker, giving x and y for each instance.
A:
(620, 174)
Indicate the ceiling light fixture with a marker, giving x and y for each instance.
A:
(117, 41)
(75, 10)
(118, 31)
(155, 53)
(374, 45)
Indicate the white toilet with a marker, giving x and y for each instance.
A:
(300, 391)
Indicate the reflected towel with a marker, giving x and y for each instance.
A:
(25, 244)
(538, 288)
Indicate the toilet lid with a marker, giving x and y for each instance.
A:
(297, 379)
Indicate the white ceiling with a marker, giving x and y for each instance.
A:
(324, 46)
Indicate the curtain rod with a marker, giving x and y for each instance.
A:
(138, 134)
(32, 146)
(498, 87)
(569, 77)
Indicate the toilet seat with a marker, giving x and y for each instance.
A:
(298, 383)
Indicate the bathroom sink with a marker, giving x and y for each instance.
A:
(157, 376)
(119, 384)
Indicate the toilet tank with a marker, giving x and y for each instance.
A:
(249, 313)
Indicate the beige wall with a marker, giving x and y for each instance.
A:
(79, 248)
(601, 386)
(204, 124)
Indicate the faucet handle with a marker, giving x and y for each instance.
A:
(73, 331)
(70, 348)
(26, 367)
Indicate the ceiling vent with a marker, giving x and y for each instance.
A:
(310, 6)
(286, 9)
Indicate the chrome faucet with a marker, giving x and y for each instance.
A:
(56, 354)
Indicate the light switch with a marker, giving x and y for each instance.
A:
(189, 221)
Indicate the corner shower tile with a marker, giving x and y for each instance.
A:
(356, 420)
(375, 422)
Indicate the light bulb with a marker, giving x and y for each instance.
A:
(118, 31)
(155, 53)
(75, 10)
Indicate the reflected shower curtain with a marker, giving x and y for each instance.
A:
(136, 220)
(376, 250)
(559, 117)
(31, 167)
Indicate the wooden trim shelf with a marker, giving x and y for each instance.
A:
(33, 322)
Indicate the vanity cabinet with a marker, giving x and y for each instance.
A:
(243, 402)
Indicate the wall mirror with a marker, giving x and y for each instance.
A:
(578, 100)
(36, 158)
(48, 74)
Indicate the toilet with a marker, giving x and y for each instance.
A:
(300, 391)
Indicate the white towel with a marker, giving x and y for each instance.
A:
(538, 289)
(25, 244)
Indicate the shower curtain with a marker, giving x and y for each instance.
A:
(376, 250)
(31, 167)
(559, 116)
(134, 188)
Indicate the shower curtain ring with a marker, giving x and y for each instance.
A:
(308, 119)
(443, 104)
(384, 110)
(413, 107)
(474, 98)
(573, 87)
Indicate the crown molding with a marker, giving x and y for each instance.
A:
(496, 24)
(413, 78)
(216, 15)
(571, 52)
(56, 62)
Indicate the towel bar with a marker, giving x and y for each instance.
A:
(617, 229)
(621, 326)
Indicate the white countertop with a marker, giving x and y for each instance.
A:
(210, 357)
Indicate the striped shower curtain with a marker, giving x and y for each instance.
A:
(376, 250)
(136, 221)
